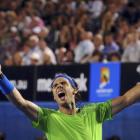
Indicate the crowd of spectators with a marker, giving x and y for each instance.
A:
(50, 32)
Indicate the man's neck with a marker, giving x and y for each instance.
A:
(68, 109)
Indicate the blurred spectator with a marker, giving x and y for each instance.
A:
(8, 61)
(33, 43)
(110, 45)
(53, 35)
(72, 26)
(35, 59)
(64, 37)
(47, 56)
(97, 55)
(41, 32)
(39, 6)
(30, 48)
(69, 57)
(109, 18)
(96, 7)
(17, 59)
(26, 54)
(98, 42)
(132, 48)
(114, 57)
(60, 55)
(85, 47)
(131, 13)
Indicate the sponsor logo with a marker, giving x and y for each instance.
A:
(104, 77)
(20, 84)
(43, 84)
(138, 69)
(104, 89)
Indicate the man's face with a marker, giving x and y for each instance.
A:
(108, 39)
(63, 92)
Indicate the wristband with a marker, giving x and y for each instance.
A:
(5, 85)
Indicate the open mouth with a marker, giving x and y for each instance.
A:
(61, 95)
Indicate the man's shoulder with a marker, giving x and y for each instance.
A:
(96, 105)
(46, 111)
(89, 106)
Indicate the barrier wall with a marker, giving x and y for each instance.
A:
(126, 124)
(17, 127)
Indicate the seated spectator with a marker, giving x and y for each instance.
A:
(70, 26)
(8, 61)
(35, 59)
(95, 57)
(49, 58)
(41, 32)
(110, 45)
(47, 55)
(96, 7)
(98, 42)
(113, 57)
(17, 59)
(132, 49)
(60, 55)
(85, 46)
(64, 37)
(109, 18)
(69, 57)
(131, 13)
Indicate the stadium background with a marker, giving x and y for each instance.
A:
(31, 82)
(95, 41)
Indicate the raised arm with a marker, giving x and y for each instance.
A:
(29, 108)
(129, 98)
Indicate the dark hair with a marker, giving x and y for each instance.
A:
(70, 79)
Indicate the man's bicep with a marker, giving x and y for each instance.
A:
(32, 111)
(29, 108)
(118, 104)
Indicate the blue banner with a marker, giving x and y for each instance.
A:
(104, 81)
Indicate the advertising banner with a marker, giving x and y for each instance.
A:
(46, 74)
(130, 76)
(34, 82)
(23, 79)
(104, 81)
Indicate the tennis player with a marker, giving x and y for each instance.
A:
(68, 122)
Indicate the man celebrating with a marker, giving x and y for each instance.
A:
(68, 122)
